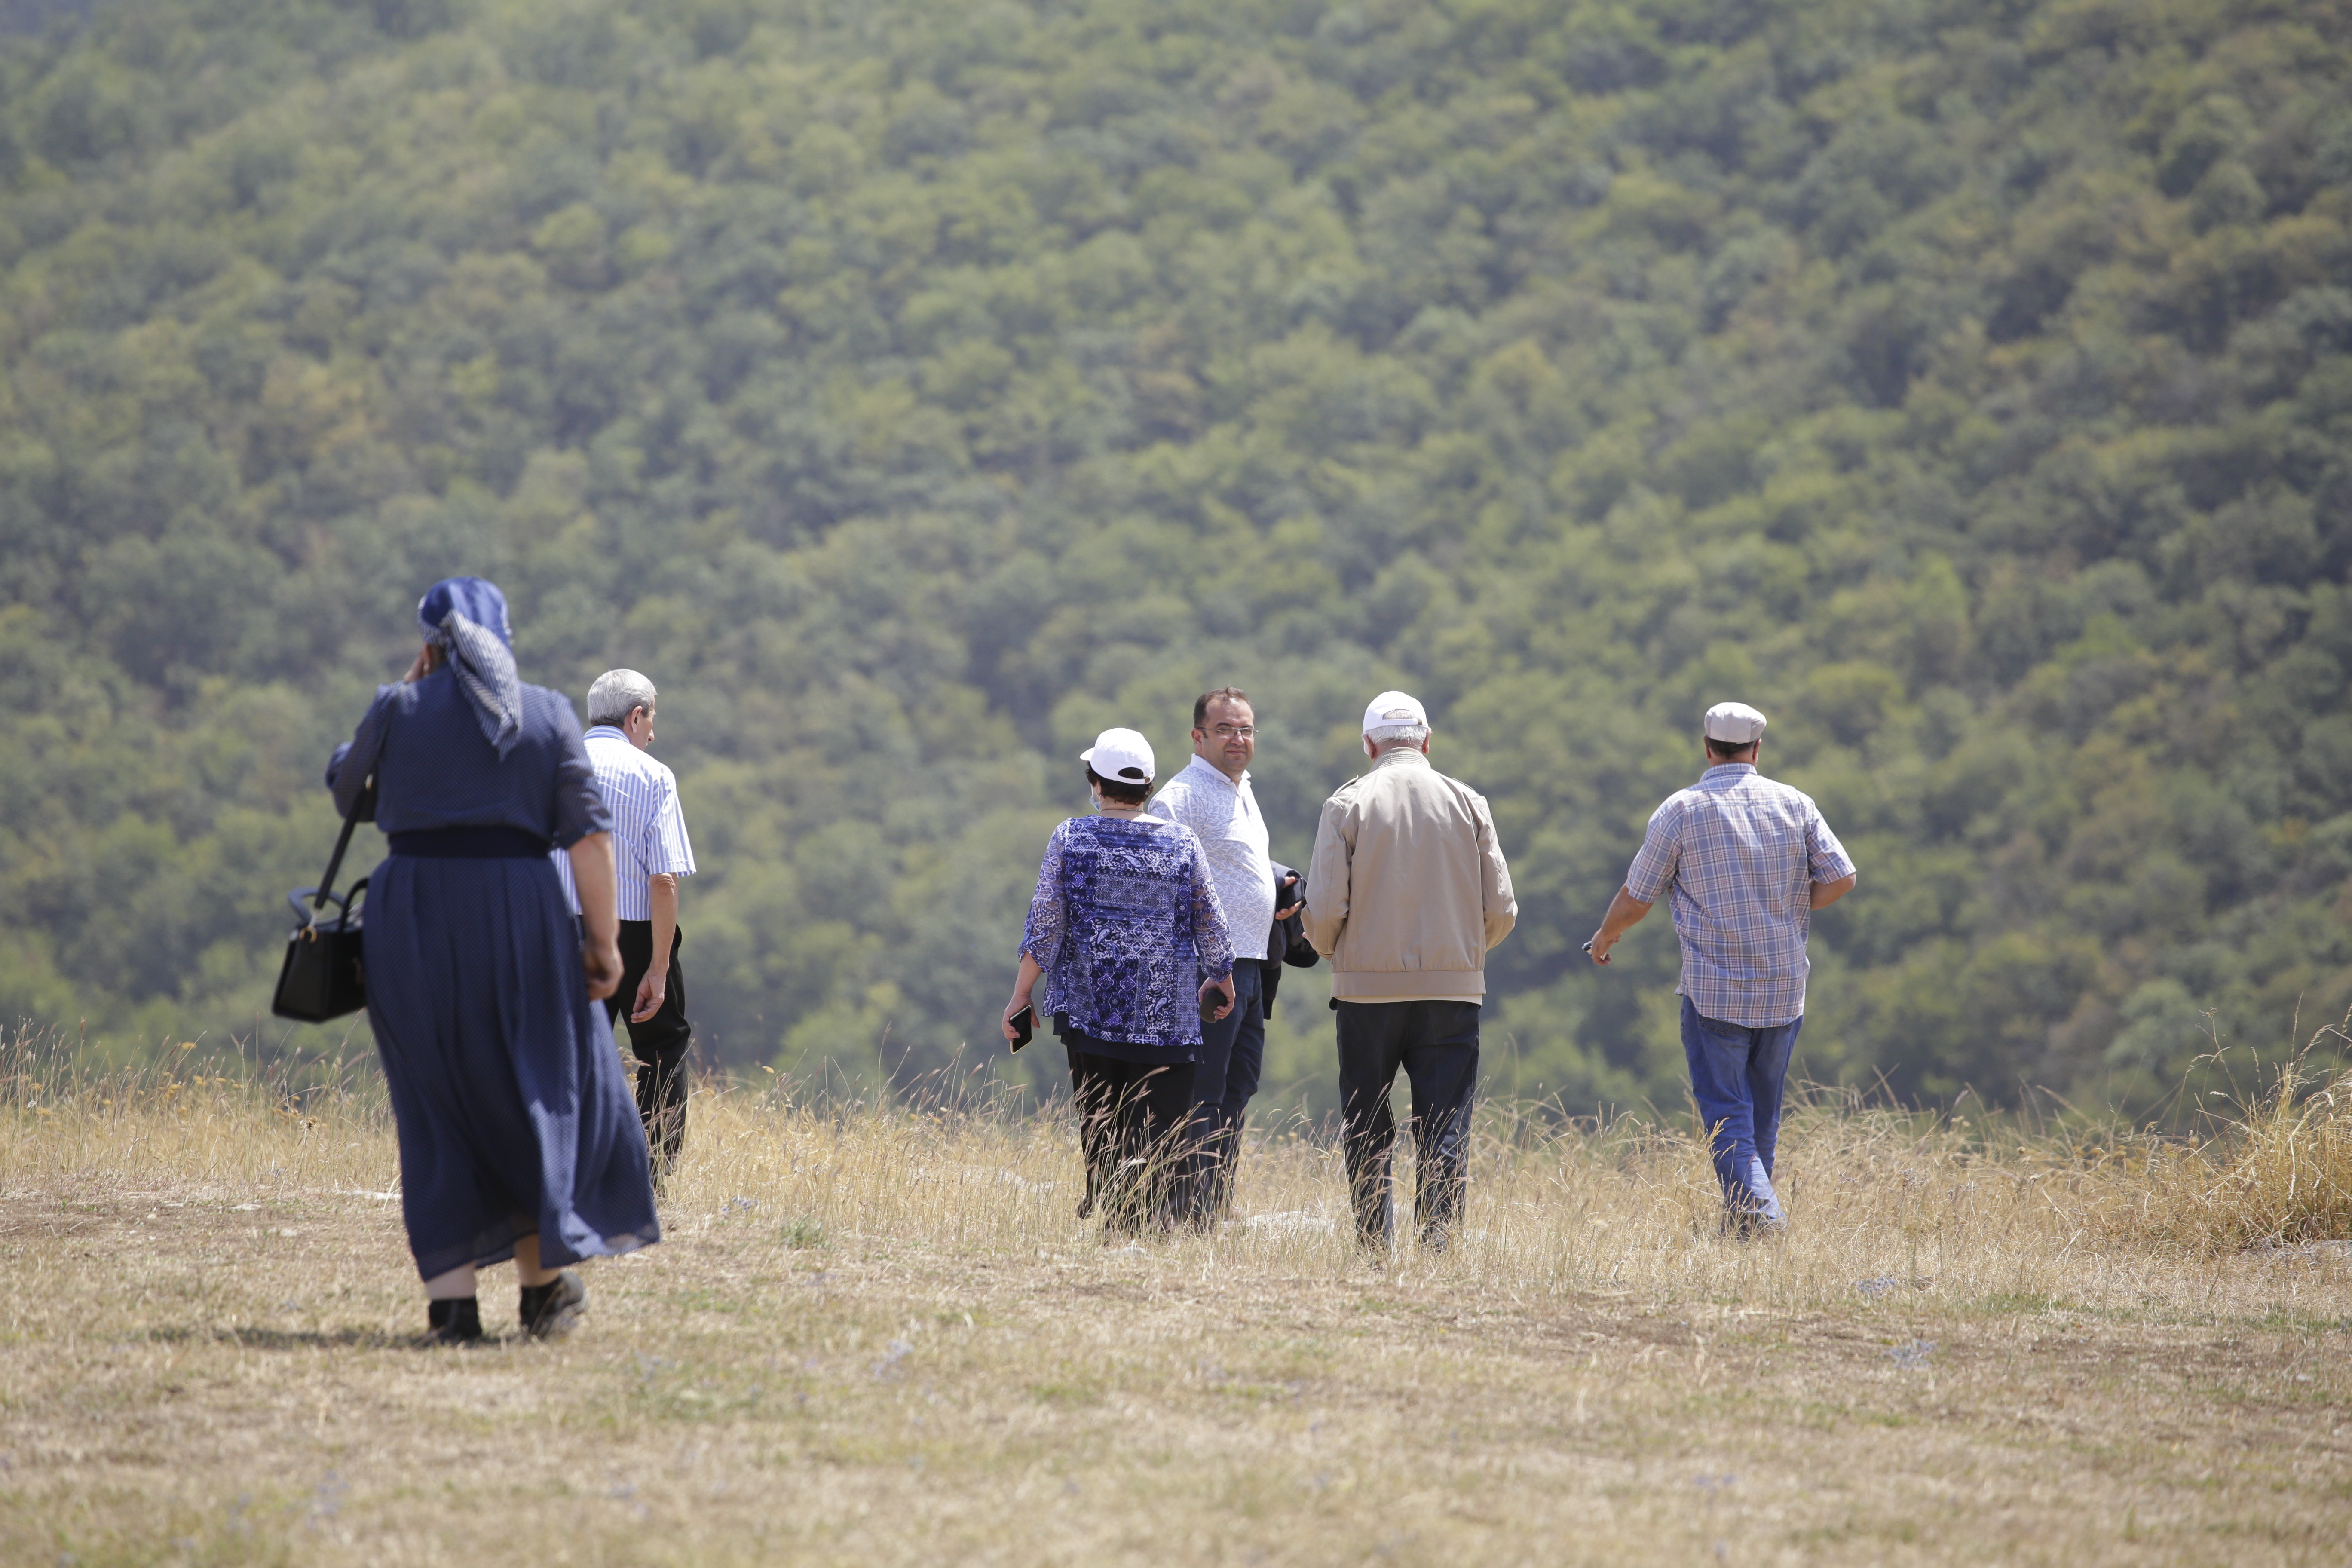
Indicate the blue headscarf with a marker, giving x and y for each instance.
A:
(466, 618)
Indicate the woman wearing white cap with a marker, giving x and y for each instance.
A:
(1124, 922)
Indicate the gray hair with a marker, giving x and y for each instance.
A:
(1388, 735)
(617, 694)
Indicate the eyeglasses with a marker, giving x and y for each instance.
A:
(1234, 731)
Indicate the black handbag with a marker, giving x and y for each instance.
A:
(324, 975)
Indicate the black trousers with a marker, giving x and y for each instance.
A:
(1233, 1054)
(1132, 1124)
(660, 1044)
(1436, 1043)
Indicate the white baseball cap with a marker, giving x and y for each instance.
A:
(1735, 723)
(1394, 708)
(1122, 756)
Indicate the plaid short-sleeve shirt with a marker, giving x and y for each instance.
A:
(1740, 853)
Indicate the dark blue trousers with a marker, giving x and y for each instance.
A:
(1233, 1053)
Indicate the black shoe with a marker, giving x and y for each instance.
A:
(456, 1322)
(552, 1310)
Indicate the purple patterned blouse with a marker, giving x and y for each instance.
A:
(1126, 924)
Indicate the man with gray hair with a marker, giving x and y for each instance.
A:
(652, 852)
(1406, 893)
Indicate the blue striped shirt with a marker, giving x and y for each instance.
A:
(1741, 853)
(648, 826)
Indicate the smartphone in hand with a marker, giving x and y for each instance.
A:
(1024, 1024)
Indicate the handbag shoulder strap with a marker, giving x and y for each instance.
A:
(335, 862)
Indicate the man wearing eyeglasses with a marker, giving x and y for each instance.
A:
(1212, 797)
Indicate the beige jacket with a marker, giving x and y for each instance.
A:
(1408, 889)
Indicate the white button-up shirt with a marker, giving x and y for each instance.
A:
(1233, 834)
(648, 828)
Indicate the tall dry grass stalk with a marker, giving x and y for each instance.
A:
(879, 1333)
(1555, 1206)
(194, 1116)
(2279, 1173)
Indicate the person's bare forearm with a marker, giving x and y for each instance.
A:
(661, 893)
(1827, 893)
(593, 879)
(1625, 912)
(1025, 980)
(1023, 984)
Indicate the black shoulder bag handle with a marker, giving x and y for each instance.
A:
(324, 976)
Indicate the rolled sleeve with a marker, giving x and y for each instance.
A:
(1825, 858)
(667, 850)
(1652, 870)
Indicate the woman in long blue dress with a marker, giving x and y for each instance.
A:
(518, 1137)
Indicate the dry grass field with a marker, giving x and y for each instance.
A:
(883, 1337)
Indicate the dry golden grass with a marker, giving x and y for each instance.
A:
(2281, 1174)
(883, 1337)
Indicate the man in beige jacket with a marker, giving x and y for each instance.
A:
(1407, 891)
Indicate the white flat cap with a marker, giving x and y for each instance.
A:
(1394, 708)
(1735, 722)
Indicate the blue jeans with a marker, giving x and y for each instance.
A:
(1737, 1075)
(1233, 1053)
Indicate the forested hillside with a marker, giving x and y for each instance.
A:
(913, 386)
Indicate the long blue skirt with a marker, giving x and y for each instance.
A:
(506, 1091)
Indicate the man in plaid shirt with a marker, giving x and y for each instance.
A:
(1748, 861)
